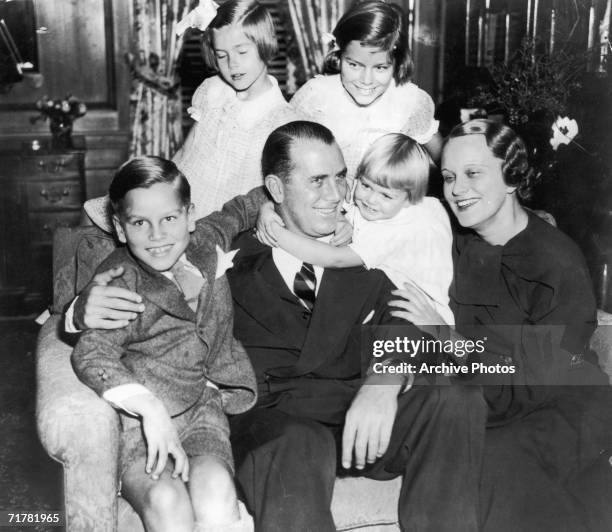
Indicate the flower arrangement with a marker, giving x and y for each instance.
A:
(60, 113)
(533, 92)
(532, 82)
(65, 111)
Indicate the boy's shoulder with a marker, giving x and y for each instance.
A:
(121, 257)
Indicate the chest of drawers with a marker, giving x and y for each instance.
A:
(39, 190)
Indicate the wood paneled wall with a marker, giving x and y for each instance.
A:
(81, 53)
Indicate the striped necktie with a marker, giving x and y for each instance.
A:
(190, 283)
(304, 285)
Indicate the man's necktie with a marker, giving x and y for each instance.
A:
(189, 283)
(304, 285)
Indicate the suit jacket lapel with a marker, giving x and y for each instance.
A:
(205, 260)
(339, 303)
(165, 294)
(257, 286)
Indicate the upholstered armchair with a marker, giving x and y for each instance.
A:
(80, 430)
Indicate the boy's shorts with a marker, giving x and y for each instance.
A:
(203, 430)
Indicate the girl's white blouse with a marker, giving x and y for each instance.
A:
(401, 109)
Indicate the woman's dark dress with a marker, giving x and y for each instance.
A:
(533, 301)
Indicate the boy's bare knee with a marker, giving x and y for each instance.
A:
(166, 499)
(212, 490)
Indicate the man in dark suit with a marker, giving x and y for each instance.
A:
(302, 328)
(314, 405)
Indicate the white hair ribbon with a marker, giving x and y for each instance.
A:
(329, 41)
(199, 18)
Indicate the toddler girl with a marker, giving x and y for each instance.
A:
(236, 110)
(396, 228)
(369, 92)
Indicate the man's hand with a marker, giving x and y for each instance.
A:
(100, 306)
(368, 424)
(162, 440)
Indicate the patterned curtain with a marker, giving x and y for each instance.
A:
(310, 20)
(155, 98)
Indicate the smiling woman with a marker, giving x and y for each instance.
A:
(485, 172)
(523, 286)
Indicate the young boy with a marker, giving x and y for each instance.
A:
(176, 369)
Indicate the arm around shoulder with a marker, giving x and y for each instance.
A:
(315, 252)
(237, 215)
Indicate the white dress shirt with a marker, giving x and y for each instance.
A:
(288, 266)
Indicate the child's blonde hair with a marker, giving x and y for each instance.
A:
(397, 161)
(256, 22)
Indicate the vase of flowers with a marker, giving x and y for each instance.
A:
(61, 115)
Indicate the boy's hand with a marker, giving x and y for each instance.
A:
(266, 222)
(162, 440)
(343, 234)
(100, 306)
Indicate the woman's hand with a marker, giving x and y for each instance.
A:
(416, 307)
(266, 224)
(343, 234)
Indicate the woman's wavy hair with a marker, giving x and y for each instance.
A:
(506, 145)
(256, 22)
(378, 24)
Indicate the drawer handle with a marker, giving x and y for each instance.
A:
(56, 195)
(52, 167)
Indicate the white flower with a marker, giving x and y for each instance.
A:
(467, 113)
(224, 261)
(564, 130)
(199, 18)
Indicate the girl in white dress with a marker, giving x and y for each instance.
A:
(235, 110)
(369, 92)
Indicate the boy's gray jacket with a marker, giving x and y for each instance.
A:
(169, 349)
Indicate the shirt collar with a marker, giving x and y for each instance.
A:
(188, 266)
(252, 110)
(288, 265)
